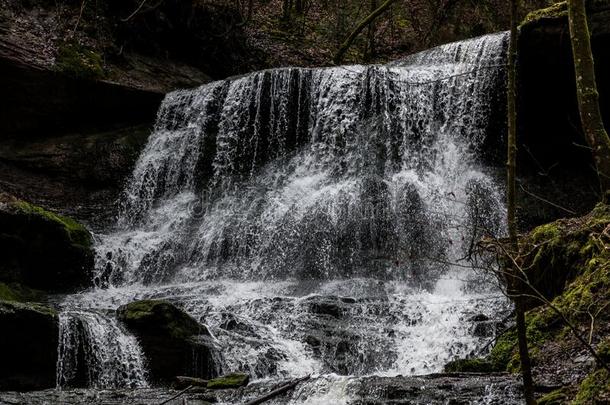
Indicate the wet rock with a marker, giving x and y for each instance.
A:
(42, 249)
(173, 342)
(28, 346)
(479, 318)
(484, 329)
(326, 308)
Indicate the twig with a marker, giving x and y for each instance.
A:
(135, 11)
(546, 201)
(80, 15)
(177, 395)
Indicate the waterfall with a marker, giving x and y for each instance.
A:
(318, 220)
(95, 351)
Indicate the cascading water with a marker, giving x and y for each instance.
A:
(317, 220)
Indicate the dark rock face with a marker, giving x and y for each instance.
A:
(40, 102)
(174, 343)
(79, 174)
(41, 249)
(205, 35)
(28, 346)
(553, 164)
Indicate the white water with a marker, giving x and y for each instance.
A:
(316, 220)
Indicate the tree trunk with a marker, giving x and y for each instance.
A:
(348, 42)
(515, 286)
(286, 5)
(586, 91)
(370, 47)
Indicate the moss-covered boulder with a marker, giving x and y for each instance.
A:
(174, 343)
(20, 293)
(233, 380)
(28, 346)
(41, 249)
(557, 253)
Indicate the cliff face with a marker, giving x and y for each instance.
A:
(554, 161)
(83, 87)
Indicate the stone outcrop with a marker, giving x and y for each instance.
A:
(554, 161)
(41, 249)
(174, 343)
(28, 346)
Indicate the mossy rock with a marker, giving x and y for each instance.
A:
(470, 366)
(557, 397)
(75, 231)
(175, 344)
(556, 254)
(28, 346)
(42, 249)
(79, 61)
(20, 293)
(556, 11)
(233, 380)
(594, 389)
(161, 317)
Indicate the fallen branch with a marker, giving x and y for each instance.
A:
(284, 388)
(364, 23)
(177, 395)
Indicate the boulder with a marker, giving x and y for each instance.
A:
(174, 343)
(41, 249)
(28, 346)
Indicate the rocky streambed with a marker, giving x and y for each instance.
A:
(467, 388)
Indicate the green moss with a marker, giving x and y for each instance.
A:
(504, 355)
(77, 233)
(593, 388)
(78, 61)
(233, 380)
(504, 350)
(18, 292)
(470, 366)
(13, 307)
(557, 397)
(558, 10)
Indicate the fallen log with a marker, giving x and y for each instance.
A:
(184, 381)
(278, 391)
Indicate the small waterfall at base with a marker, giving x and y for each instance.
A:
(94, 351)
(316, 220)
